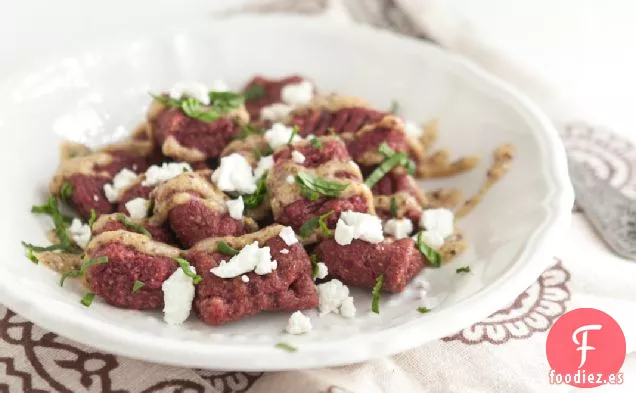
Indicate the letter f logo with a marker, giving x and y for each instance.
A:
(584, 347)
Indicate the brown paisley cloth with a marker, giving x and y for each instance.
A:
(504, 353)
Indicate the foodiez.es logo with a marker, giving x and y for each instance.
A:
(585, 348)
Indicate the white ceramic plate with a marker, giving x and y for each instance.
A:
(98, 96)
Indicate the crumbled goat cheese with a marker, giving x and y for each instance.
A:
(297, 93)
(234, 174)
(331, 295)
(250, 258)
(288, 235)
(431, 239)
(439, 221)
(178, 293)
(235, 207)
(80, 232)
(399, 228)
(219, 86)
(196, 90)
(264, 165)
(323, 271)
(347, 308)
(290, 179)
(354, 225)
(413, 130)
(245, 278)
(298, 323)
(298, 157)
(158, 174)
(121, 181)
(284, 251)
(279, 135)
(138, 208)
(277, 112)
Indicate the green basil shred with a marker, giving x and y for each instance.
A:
(394, 207)
(313, 186)
(132, 226)
(254, 200)
(292, 135)
(393, 159)
(433, 257)
(87, 300)
(313, 258)
(92, 219)
(87, 264)
(226, 249)
(185, 267)
(375, 304)
(286, 347)
(395, 107)
(220, 104)
(463, 269)
(423, 310)
(66, 191)
(310, 225)
(137, 285)
(254, 92)
(60, 222)
(316, 143)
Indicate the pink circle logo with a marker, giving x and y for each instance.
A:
(586, 348)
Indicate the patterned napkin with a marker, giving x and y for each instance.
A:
(504, 353)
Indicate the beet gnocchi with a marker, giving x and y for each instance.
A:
(276, 198)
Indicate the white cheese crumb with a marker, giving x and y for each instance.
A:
(245, 278)
(96, 198)
(250, 258)
(297, 93)
(355, 225)
(121, 181)
(298, 323)
(279, 135)
(80, 232)
(399, 228)
(158, 174)
(331, 295)
(196, 90)
(236, 207)
(431, 239)
(277, 112)
(288, 235)
(413, 130)
(298, 157)
(323, 271)
(439, 221)
(290, 179)
(178, 293)
(234, 174)
(347, 308)
(219, 86)
(284, 251)
(264, 165)
(138, 208)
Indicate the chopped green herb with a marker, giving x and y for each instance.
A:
(254, 200)
(313, 186)
(423, 310)
(254, 92)
(316, 143)
(386, 150)
(87, 264)
(87, 300)
(247, 130)
(463, 269)
(433, 257)
(221, 103)
(185, 266)
(293, 135)
(375, 304)
(226, 249)
(92, 219)
(66, 191)
(132, 226)
(394, 207)
(137, 286)
(313, 258)
(384, 168)
(286, 347)
(31, 255)
(34, 248)
(395, 107)
(60, 222)
(310, 225)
